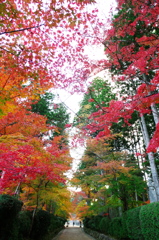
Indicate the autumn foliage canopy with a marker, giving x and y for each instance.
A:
(43, 46)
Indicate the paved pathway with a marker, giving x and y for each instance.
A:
(73, 233)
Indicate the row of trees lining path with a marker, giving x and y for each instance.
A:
(119, 169)
(42, 48)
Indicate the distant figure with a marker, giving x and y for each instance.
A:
(67, 224)
(73, 224)
(80, 224)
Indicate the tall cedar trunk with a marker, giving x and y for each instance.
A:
(151, 158)
(155, 113)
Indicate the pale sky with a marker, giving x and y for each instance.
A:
(72, 100)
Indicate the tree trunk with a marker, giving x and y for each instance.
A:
(155, 113)
(151, 159)
(153, 106)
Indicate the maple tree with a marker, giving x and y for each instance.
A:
(131, 44)
(38, 42)
(141, 64)
(29, 163)
(49, 196)
(43, 46)
(27, 159)
(132, 59)
(79, 205)
(99, 94)
(110, 180)
(23, 157)
(32, 40)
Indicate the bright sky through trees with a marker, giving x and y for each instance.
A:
(72, 101)
(94, 52)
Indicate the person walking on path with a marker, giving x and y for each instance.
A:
(80, 224)
(75, 233)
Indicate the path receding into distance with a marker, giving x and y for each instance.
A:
(73, 233)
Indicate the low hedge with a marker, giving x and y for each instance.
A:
(41, 223)
(25, 220)
(133, 224)
(9, 209)
(116, 228)
(141, 223)
(104, 225)
(20, 225)
(56, 222)
(86, 222)
(97, 220)
(149, 220)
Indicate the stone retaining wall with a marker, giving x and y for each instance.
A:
(97, 235)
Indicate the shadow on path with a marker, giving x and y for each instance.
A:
(73, 233)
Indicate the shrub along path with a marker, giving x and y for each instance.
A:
(73, 233)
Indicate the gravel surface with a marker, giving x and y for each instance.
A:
(73, 233)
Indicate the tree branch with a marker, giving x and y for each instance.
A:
(20, 30)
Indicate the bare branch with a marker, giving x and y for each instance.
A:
(20, 30)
